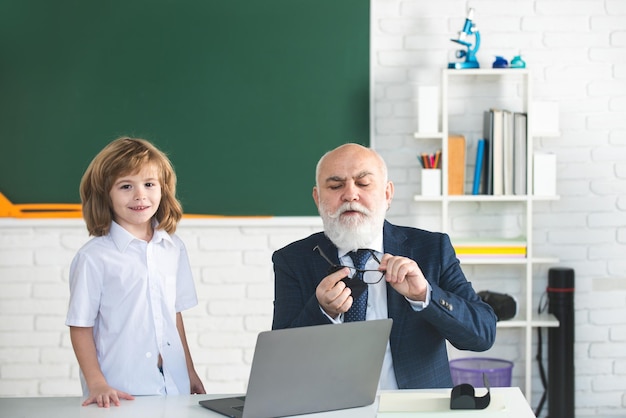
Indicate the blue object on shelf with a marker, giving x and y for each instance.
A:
(469, 29)
(518, 62)
(500, 62)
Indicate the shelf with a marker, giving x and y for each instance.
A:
(544, 320)
(483, 198)
(428, 135)
(506, 260)
(508, 88)
(488, 71)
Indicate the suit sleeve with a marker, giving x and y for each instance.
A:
(295, 303)
(455, 309)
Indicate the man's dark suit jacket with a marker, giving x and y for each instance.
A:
(455, 313)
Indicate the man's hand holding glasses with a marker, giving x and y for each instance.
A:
(333, 295)
(335, 290)
(402, 273)
(375, 277)
(405, 276)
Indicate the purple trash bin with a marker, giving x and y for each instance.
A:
(470, 370)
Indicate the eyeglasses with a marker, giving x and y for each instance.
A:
(372, 278)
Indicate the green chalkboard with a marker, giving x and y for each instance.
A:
(243, 95)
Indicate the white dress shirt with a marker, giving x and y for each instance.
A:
(129, 291)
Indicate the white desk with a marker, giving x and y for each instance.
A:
(510, 403)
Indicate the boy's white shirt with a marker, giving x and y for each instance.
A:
(130, 290)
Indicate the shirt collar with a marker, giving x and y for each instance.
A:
(122, 238)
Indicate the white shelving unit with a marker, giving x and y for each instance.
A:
(466, 94)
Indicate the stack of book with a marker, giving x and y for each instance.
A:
(490, 247)
(501, 156)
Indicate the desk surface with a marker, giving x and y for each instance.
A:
(505, 402)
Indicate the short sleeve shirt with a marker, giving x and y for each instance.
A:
(129, 291)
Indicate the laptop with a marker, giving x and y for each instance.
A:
(311, 369)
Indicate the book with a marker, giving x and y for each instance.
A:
(519, 241)
(497, 170)
(520, 145)
(478, 167)
(490, 247)
(486, 181)
(487, 251)
(507, 152)
(488, 137)
(456, 164)
(496, 249)
(495, 245)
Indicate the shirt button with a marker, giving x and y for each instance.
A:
(148, 354)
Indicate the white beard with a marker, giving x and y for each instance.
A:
(357, 231)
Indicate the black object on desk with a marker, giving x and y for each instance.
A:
(463, 396)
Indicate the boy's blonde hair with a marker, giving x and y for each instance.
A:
(122, 157)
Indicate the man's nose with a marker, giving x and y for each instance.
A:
(351, 193)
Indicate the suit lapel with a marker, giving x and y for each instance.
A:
(393, 240)
(329, 249)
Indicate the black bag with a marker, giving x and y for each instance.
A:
(505, 306)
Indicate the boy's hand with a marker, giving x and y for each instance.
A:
(196, 385)
(105, 395)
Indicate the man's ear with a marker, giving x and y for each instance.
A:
(316, 197)
(389, 193)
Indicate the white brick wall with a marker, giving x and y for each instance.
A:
(234, 280)
(577, 52)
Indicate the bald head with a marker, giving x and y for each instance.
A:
(351, 154)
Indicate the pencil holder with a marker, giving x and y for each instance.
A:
(431, 182)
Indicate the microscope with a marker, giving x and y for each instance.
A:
(470, 54)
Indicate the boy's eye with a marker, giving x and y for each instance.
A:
(125, 186)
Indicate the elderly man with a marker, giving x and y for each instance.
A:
(363, 267)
